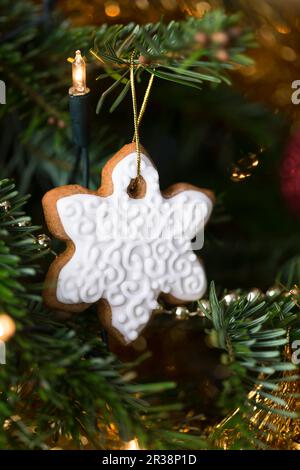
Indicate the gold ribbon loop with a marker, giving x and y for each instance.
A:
(138, 118)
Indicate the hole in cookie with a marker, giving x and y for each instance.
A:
(137, 188)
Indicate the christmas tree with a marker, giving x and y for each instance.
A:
(192, 81)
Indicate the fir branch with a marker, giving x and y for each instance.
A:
(59, 381)
(185, 52)
(253, 333)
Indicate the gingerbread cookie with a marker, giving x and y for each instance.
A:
(126, 244)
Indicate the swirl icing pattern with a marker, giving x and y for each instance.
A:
(128, 251)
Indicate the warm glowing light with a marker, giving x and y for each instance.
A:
(238, 175)
(287, 53)
(113, 427)
(248, 71)
(202, 8)
(7, 327)
(132, 445)
(282, 95)
(84, 440)
(142, 4)
(283, 28)
(78, 76)
(169, 4)
(112, 9)
(267, 36)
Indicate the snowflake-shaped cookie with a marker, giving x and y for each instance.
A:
(123, 252)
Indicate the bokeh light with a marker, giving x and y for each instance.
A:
(112, 9)
(7, 327)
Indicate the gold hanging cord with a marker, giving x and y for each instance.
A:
(138, 118)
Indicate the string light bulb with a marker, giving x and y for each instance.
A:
(78, 76)
(7, 327)
(132, 445)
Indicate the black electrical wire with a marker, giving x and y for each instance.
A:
(82, 154)
(104, 337)
(74, 172)
(85, 166)
(79, 110)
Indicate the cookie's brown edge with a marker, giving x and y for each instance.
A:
(56, 228)
(49, 203)
(50, 285)
(105, 316)
(106, 188)
(180, 187)
(104, 309)
(171, 300)
(50, 208)
(168, 193)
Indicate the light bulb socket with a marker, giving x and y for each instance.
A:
(79, 110)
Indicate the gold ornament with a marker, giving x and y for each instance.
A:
(276, 430)
(182, 313)
(223, 437)
(273, 291)
(160, 309)
(254, 294)
(43, 240)
(245, 166)
(203, 305)
(294, 294)
(295, 290)
(5, 206)
(24, 223)
(230, 297)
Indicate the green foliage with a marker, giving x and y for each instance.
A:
(59, 380)
(169, 51)
(289, 274)
(253, 333)
(35, 132)
(35, 136)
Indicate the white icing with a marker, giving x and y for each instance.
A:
(128, 250)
